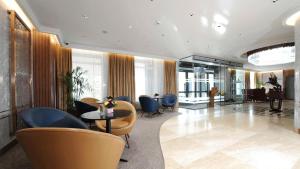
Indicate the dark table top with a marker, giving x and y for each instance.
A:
(95, 115)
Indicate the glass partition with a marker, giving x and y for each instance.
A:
(197, 79)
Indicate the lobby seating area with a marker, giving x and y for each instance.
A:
(152, 84)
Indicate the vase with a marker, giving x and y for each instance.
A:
(109, 112)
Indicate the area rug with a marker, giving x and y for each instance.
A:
(144, 152)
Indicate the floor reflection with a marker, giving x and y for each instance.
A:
(233, 137)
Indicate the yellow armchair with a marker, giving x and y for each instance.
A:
(91, 101)
(124, 125)
(65, 148)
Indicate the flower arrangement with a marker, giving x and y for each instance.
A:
(109, 103)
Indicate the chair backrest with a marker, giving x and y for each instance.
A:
(123, 98)
(91, 101)
(169, 99)
(50, 117)
(123, 105)
(148, 104)
(62, 148)
(82, 107)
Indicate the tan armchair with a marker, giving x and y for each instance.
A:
(65, 148)
(121, 126)
(90, 101)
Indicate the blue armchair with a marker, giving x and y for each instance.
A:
(149, 105)
(123, 98)
(169, 101)
(49, 117)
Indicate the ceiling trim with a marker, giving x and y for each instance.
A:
(30, 14)
(270, 47)
(96, 48)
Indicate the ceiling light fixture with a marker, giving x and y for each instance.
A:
(130, 26)
(221, 29)
(192, 14)
(276, 56)
(291, 21)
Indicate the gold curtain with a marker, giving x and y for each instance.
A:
(43, 70)
(170, 82)
(63, 66)
(121, 76)
(247, 80)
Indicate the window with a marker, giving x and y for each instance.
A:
(149, 76)
(95, 64)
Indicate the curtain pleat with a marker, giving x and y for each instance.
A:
(63, 66)
(121, 76)
(170, 82)
(247, 80)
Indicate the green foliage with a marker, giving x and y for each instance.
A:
(76, 84)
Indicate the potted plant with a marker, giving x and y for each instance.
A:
(76, 84)
(109, 105)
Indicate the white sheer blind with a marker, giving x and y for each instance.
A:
(149, 76)
(95, 63)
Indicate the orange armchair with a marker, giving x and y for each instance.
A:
(65, 148)
(91, 101)
(121, 126)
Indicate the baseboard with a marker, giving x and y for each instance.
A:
(8, 146)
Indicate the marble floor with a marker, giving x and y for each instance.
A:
(224, 138)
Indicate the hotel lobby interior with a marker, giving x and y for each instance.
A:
(152, 84)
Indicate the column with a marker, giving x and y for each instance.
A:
(297, 77)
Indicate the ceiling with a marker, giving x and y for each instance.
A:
(166, 28)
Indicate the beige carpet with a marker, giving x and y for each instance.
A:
(144, 153)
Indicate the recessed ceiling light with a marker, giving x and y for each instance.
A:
(192, 14)
(157, 22)
(130, 26)
(221, 29)
(291, 21)
(104, 31)
(84, 16)
(274, 1)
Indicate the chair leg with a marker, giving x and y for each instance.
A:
(127, 140)
(142, 114)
